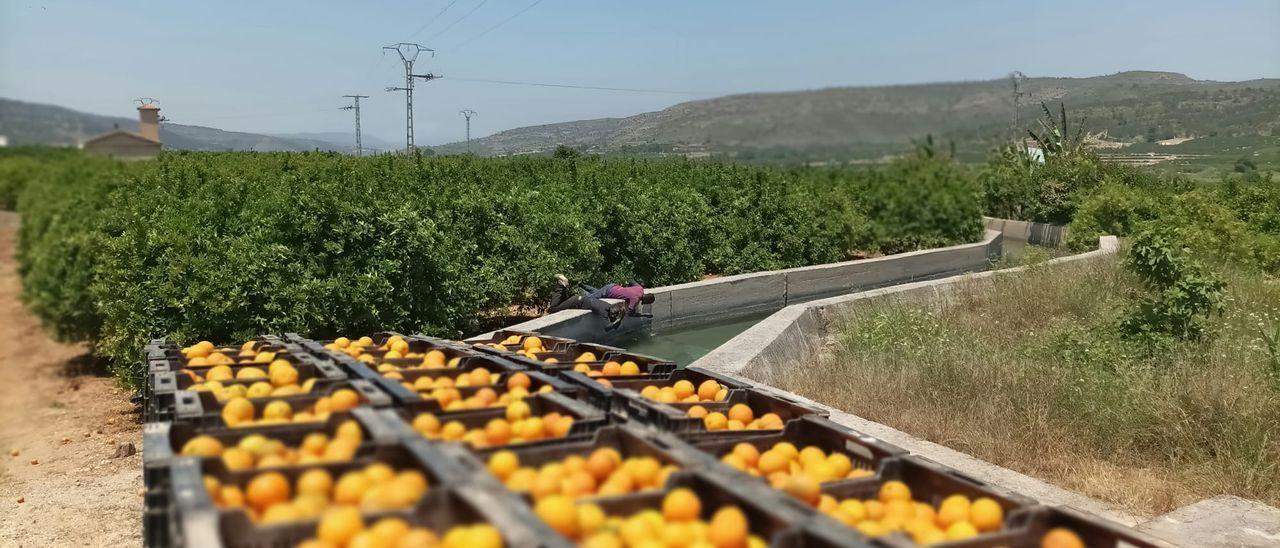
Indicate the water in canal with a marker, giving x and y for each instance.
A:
(686, 344)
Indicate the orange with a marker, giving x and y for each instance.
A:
(602, 462)
(667, 394)
(231, 496)
(681, 504)
(749, 454)
(840, 464)
(497, 432)
(267, 489)
(728, 528)
(453, 431)
(338, 524)
(986, 515)
(629, 368)
(586, 357)
(611, 368)
(954, 508)
(735, 424)
(426, 424)
(237, 411)
(708, 390)
(961, 530)
(1061, 537)
(577, 484)
(715, 421)
(503, 463)
(479, 376)
(683, 389)
(519, 380)
(590, 519)
(277, 410)
(379, 472)
(251, 373)
(650, 392)
(772, 461)
(742, 413)
(389, 531)
(340, 449)
(894, 490)
(350, 488)
(343, 399)
(237, 459)
(202, 446)
(697, 411)
(412, 481)
(283, 375)
(518, 411)
(419, 538)
(316, 481)
(532, 343)
(875, 509)
(804, 488)
(558, 512)
(560, 428)
(770, 421)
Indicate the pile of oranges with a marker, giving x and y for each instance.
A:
(678, 523)
(258, 451)
(343, 527)
(782, 463)
(893, 509)
(446, 390)
(278, 380)
(610, 368)
(395, 347)
(739, 417)
(602, 473)
(517, 425)
(683, 391)
(239, 411)
(205, 353)
(269, 498)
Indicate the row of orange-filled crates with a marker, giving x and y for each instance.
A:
(519, 439)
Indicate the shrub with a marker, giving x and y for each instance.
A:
(1182, 295)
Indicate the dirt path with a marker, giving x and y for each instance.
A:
(56, 408)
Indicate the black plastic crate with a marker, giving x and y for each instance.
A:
(166, 356)
(628, 439)
(929, 482)
(162, 442)
(203, 409)
(417, 344)
(673, 417)
(196, 521)
(1026, 527)
(537, 382)
(160, 406)
(864, 452)
(514, 339)
(587, 419)
(616, 397)
(778, 525)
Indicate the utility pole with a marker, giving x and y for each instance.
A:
(1015, 76)
(356, 107)
(408, 54)
(468, 113)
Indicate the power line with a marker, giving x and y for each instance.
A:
(432, 20)
(503, 22)
(571, 86)
(458, 20)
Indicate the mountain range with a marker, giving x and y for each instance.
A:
(40, 124)
(1128, 107)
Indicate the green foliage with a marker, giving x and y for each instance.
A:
(224, 246)
(1182, 295)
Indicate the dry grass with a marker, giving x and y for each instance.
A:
(1028, 372)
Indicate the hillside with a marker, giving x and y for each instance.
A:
(38, 124)
(1131, 107)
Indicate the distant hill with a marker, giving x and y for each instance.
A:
(1133, 106)
(39, 124)
(343, 139)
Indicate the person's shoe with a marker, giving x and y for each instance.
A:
(562, 280)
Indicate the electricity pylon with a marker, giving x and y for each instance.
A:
(408, 54)
(468, 113)
(356, 107)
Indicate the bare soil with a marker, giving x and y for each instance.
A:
(59, 409)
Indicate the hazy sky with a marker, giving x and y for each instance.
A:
(279, 66)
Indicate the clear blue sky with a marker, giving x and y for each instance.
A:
(279, 66)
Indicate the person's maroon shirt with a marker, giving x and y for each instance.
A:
(631, 294)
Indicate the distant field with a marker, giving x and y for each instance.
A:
(1210, 157)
